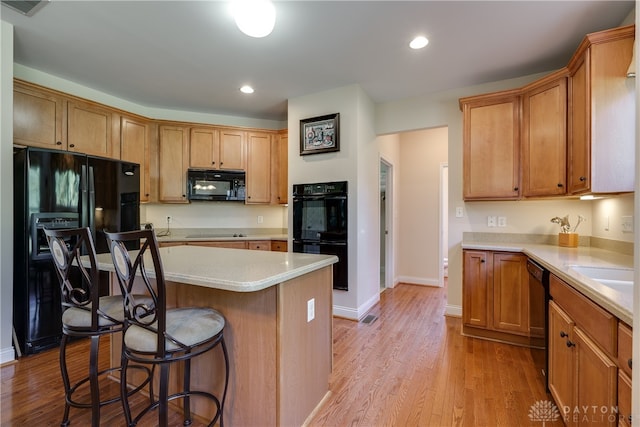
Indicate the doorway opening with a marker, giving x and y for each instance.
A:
(444, 223)
(386, 221)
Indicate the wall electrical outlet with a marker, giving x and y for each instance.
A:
(492, 221)
(459, 212)
(169, 219)
(311, 309)
(502, 221)
(627, 224)
(260, 219)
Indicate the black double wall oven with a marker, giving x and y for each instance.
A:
(320, 224)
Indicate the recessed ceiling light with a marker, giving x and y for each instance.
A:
(246, 89)
(255, 18)
(419, 42)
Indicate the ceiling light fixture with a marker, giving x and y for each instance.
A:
(419, 42)
(246, 89)
(255, 18)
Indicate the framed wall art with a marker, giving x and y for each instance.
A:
(320, 134)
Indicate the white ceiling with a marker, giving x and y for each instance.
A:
(189, 55)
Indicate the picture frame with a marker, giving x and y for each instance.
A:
(320, 134)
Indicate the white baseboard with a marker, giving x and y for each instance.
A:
(453, 310)
(356, 314)
(7, 355)
(419, 281)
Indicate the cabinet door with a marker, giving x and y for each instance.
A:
(89, 129)
(491, 148)
(279, 169)
(204, 146)
(475, 288)
(544, 139)
(510, 293)
(173, 164)
(260, 245)
(579, 141)
(624, 399)
(279, 245)
(135, 140)
(232, 149)
(258, 168)
(561, 359)
(38, 118)
(596, 382)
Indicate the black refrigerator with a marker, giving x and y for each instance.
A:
(57, 189)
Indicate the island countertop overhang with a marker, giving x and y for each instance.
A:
(236, 270)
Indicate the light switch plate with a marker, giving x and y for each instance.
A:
(502, 221)
(492, 221)
(627, 224)
(459, 212)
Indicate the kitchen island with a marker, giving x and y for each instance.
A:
(278, 308)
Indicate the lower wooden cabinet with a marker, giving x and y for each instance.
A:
(279, 245)
(256, 245)
(583, 376)
(495, 292)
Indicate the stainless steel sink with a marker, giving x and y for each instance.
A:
(616, 278)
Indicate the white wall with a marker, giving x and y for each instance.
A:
(612, 210)
(6, 191)
(356, 162)
(421, 153)
(214, 215)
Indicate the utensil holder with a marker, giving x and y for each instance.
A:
(568, 240)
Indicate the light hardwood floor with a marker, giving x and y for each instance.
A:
(410, 367)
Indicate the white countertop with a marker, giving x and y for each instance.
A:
(559, 259)
(219, 234)
(238, 270)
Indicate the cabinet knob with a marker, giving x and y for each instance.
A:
(58, 142)
(582, 178)
(72, 145)
(563, 334)
(221, 163)
(516, 188)
(629, 363)
(213, 163)
(570, 344)
(482, 261)
(560, 185)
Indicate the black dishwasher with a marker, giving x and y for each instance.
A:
(539, 317)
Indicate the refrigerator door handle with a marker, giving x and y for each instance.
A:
(84, 199)
(92, 201)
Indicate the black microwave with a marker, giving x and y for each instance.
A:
(215, 185)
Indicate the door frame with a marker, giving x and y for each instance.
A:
(389, 258)
(443, 251)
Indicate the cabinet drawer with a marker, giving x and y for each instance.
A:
(601, 325)
(260, 245)
(625, 347)
(279, 246)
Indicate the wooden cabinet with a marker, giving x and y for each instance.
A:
(135, 146)
(495, 293)
(215, 148)
(279, 169)
(258, 178)
(279, 245)
(39, 117)
(624, 400)
(47, 119)
(544, 136)
(491, 146)
(173, 164)
(260, 245)
(625, 350)
(582, 371)
(601, 114)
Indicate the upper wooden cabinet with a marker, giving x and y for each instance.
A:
(279, 168)
(601, 115)
(491, 146)
(135, 146)
(45, 118)
(258, 167)
(173, 163)
(217, 148)
(544, 136)
(38, 117)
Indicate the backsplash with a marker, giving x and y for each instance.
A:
(214, 215)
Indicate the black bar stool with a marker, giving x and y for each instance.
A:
(85, 314)
(159, 336)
